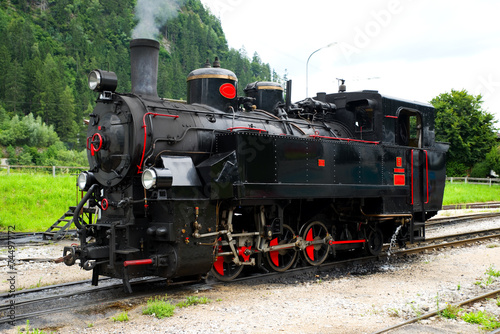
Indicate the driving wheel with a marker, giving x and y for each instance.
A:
(282, 259)
(316, 253)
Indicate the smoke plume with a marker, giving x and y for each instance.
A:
(152, 15)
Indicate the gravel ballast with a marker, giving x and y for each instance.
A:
(359, 299)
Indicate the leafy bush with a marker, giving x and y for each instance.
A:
(493, 158)
(27, 131)
(481, 169)
(29, 141)
(455, 169)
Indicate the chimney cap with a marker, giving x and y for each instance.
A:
(145, 42)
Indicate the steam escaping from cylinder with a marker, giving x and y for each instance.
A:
(152, 15)
(144, 66)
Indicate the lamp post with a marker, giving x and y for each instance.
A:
(307, 65)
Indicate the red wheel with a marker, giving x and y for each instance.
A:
(317, 253)
(282, 259)
(224, 268)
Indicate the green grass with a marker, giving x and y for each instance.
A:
(121, 317)
(160, 307)
(32, 203)
(28, 330)
(487, 321)
(193, 300)
(456, 193)
(489, 278)
(450, 311)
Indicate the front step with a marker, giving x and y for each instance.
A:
(417, 231)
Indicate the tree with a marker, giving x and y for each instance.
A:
(64, 120)
(50, 46)
(14, 90)
(493, 159)
(469, 129)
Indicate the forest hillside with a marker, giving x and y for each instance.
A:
(48, 47)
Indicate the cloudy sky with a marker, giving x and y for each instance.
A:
(413, 49)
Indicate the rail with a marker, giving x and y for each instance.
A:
(53, 169)
(473, 180)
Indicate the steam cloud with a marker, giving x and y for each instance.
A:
(152, 15)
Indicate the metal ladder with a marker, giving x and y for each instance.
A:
(59, 229)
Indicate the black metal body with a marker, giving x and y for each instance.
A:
(356, 165)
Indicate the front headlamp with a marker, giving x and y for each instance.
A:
(85, 180)
(157, 178)
(100, 81)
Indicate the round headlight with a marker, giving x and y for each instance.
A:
(82, 181)
(85, 181)
(94, 80)
(148, 178)
(100, 81)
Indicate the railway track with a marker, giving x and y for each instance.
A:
(484, 205)
(78, 295)
(491, 294)
(34, 303)
(434, 222)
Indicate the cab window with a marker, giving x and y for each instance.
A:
(409, 128)
(363, 111)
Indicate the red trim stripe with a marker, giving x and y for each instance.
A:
(412, 176)
(427, 174)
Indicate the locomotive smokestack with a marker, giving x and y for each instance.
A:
(144, 66)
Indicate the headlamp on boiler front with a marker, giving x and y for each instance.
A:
(85, 180)
(100, 81)
(157, 178)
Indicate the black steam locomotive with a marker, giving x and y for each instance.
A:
(225, 182)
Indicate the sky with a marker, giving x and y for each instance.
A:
(411, 49)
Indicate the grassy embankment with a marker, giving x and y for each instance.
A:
(456, 193)
(34, 202)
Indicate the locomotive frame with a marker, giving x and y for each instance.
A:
(221, 183)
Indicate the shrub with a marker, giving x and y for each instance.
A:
(481, 169)
(455, 169)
